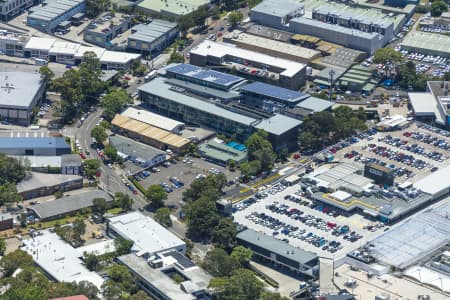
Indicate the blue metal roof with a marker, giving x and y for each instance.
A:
(274, 92)
(218, 78)
(46, 142)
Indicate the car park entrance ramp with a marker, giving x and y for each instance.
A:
(411, 241)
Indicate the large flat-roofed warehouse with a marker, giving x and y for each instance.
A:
(53, 12)
(163, 98)
(69, 164)
(271, 47)
(19, 93)
(281, 71)
(427, 43)
(153, 37)
(171, 8)
(203, 77)
(59, 260)
(276, 251)
(153, 119)
(45, 146)
(68, 205)
(41, 184)
(270, 97)
(432, 106)
(351, 26)
(72, 53)
(153, 276)
(147, 235)
(149, 134)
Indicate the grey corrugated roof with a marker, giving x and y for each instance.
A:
(315, 104)
(68, 204)
(273, 91)
(151, 32)
(130, 147)
(276, 246)
(278, 8)
(160, 88)
(53, 9)
(23, 86)
(335, 28)
(278, 124)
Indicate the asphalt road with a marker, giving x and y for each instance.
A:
(109, 179)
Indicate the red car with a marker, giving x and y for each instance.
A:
(82, 155)
(135, 192)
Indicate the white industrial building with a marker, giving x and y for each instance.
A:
(153, 119)
(19, 93)
(285, 73)
(59, 260)
(72, 53)
(436, 184)
(12, 43)
(147, 235)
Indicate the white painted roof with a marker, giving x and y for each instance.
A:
(219, 50)
(59, 259)
(67, 48)
(118, 57)
(435, 182)
(426, 104)
(42, 44)
(152, 119)
(146, 233)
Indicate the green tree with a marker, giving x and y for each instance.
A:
(8, 194)
(162, 216)
(14, 260)
(2, 247)
(224, 234)
(232, 165)
(140, 295)
(46, 75)
(11, 170)
(114, 102)
(243, 284)
(260, 149)
(99, 134)
(202, 217)
(123, 246)
(438, 7)
(100, 205)
(111, 152)
(156, 195)
(95, 7)
(200, 15)
(123, 201)
(90, 167)
(26, 293)
(446, 76)
(266, 295)
(210, 187)
(388, 57)
(91, 261)
(234, 18)
(88, 289)
(218, 263)
(111, 290)
(242, 255)
(121, 275)
(185, 22)
(176, 57)
(78, 229)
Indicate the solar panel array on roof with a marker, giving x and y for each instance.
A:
(192, 71)
(181, 259)
(274, 92)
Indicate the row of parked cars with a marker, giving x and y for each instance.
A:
(434, 129)
(430, 140)
(414, 148)
(407, 159)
